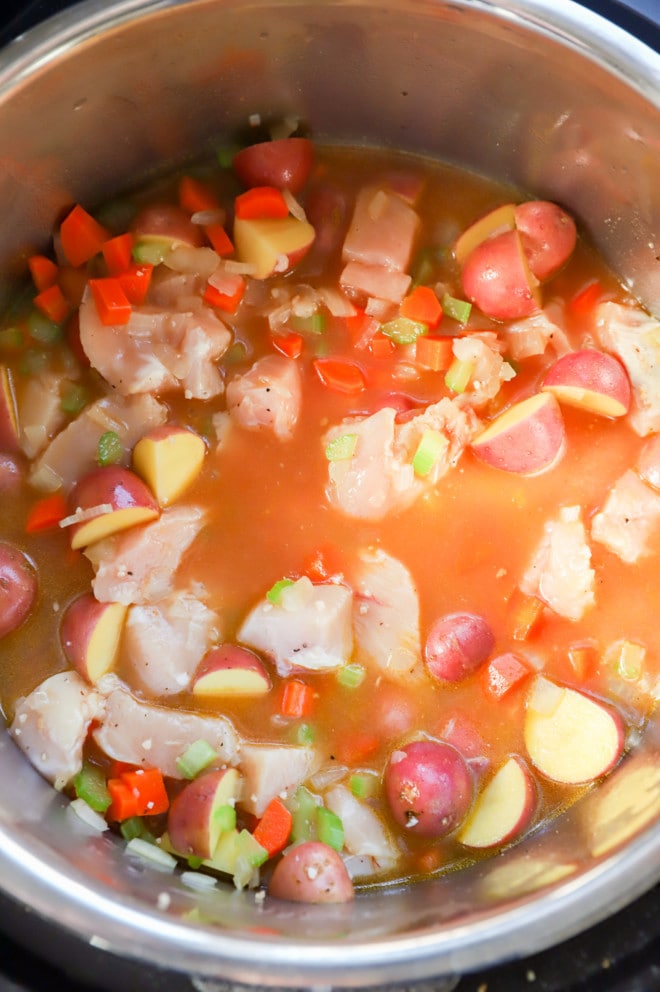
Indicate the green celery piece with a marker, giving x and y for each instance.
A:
(11, 338)
(33, 361)
(224, 818)
(303, 809)
(195, 759)
(363, 785)
(330, 828)
(351, 676)
(458, 310)
(109, 449)
(250, 855)
(275, 592)
(74, 398)
(151, 252)
(132, 827)
(341, 448)
(314, 324)
(304, 734)
(402, 330)
(42, 329)
(458, 375)
(90, 785)
(429, 450)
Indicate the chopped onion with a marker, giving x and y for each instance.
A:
(192, 261)
(196, 880)
(151, 852)
(295, 208)
(89, 514)
(89, 816)
(337, 303)
(204, 217)
(240, 268)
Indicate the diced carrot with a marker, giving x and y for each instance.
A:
(261, 203)
(381, 346)
(582, 659)
(586, 299)
(290, 344)
(46, 513)
(53, 304)
(118, 253)
(124, 803)
(434, 352)
(219, 239)
(361, 327)
(322, 564)
(44, 271)
(429, 860)
(135, 282)
(422, 305)
(148, 787)
(81, 236)
(225, 301)
(195, 196)
(503, 673)
(112, 303)
(524, 614)
(298, 699)
(274, 828)
(357, 748)
(339, 374)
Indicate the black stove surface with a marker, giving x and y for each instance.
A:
(621, 954)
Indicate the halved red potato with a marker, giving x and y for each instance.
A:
(570, 737)
(202, 811)
(122, 498)
(169, 459)
(311, 872)
(272, 245)
(231, 670)
(18, 588)
(497, 278)
(494, 222)
(91, 634)
(285, 163)
(9, 429)
(502, 809)
(528, 438)
(457, 645)
(590, 380)
(548, 236)
(159, 228)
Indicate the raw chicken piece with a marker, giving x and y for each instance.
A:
(634, 337)
(532, 335)
(274, 770)
(165, 642)
(40, 412)
(267, 397)
(139, 565)
(155, 736)
(74, 450)
(382, 230)
(374, 281)
(379, 476)
(310, 628)
(560, 572)
(158, 349)
(630, 519)
(386, 617)
(490, 369)
(51, 724)
(364, 832)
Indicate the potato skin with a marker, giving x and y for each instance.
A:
(457, 645)
(18, 588)
(429, 787)
(496, 278)
(548, 236)
(285, 163)
(311, 872)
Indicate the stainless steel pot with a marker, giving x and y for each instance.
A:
(547, 96)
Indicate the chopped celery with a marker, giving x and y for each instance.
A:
(224, 818)
(314, 324)
(134, 827)
(304, 808)
(74, 399)
(11, 337)
(90, 785)
(274, 594)
(33, 362)
(109, 449)
(430, 449)
(304, 733)
(225, 155)
(458, 375)
(195, 759)
(238, 854)
(458, 310)
(42, 329)
(341, 448)
(363, 785)
(425, 264)
(151, 251)
(630, 660)
(402, 330)
(330, 828)
(351, 676)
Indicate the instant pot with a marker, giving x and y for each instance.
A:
(614, 953)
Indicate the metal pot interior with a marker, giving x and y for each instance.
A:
(553, 100)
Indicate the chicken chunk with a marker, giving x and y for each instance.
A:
(51, 724)
(365, 833)
(310, 628)
(629, 522)
(634, 337)
(274, 770)
(267, 397)
(560, 572)
(150, 735)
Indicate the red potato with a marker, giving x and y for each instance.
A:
(202, 811)
(169, 459)
(590, 380)
(496, 278)
(457, 645)
(130, 500)
(311, 872)
(231, 670)
(168, 222)
(285, 163)
(18, 588)
(9, 429)
(91, 634)
(548, 236)
(528, 438)
(502, 809)
(272, 245)
(495, 222)
(429, 787)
